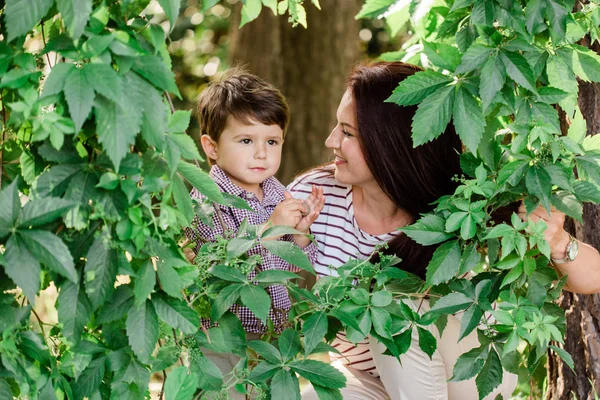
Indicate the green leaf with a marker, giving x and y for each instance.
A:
(228, 337)
(427, 341)
(155, 71)
(441, 54)
(432, 116)
(171, 282)
(319, 373)
(108, 181)
(11, 207)
(428, 230)
(209, 375)
(263, 372)
(587, 192)
(183, 199)
(534, 14)
(274, 276)
(50, 251)
(314, 330)
(142, 330)
(238, 246)
(74, 310)
(171, 9)
(381, 298)
(207, 4)
(468, 119)
(490, 375)
(382, 322)
(104, 80)
(39, 212)
(474, 57)
(458, 4)
(5, 392)
(257, 300)
(374, 8)
(566, 357)
(229, 274)
(539, 184)
(518, 69)
(569, 204)
(117, 305)
(397, 20)
(22, 267)
(80, 97)
(493, 76)
(76, 14)
(266, 351)
(90, 379)
(180, 385)
(201, 181)
(144, 283)
(470, 319)
(22, 15)
(250, 11)
(226, 298)
(469, 364)
(289, 344)
(148, 99)
(289, 252)
(186, 146)
(55, 81)
(117, 126)
(415, 88)
(179, 121)
(444, 263)
(100, 271)
(483, 13)
(176, 313)
(285, 386)
(451, 303)
(469, 259)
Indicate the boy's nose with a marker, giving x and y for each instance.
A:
(260, 152)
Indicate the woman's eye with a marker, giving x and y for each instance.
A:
(346, 133)
(246, 141)
(272, 142)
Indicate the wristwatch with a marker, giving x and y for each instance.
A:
(571, 253)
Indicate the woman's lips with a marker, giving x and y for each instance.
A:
(339, 161)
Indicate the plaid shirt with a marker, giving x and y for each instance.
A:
(233, 217)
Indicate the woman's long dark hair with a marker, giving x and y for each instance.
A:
(413, 178)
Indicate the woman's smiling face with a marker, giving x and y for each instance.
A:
(350, 165)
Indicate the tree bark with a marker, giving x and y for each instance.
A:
(583, 311)
(309, 66)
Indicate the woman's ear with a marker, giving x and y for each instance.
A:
(209, 146)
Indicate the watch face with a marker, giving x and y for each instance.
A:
(572, 253)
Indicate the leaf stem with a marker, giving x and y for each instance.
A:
(44, 40)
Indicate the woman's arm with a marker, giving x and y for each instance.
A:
(584, 271)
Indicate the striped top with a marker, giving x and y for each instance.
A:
(338, 239)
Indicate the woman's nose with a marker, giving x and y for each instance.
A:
(333, 140)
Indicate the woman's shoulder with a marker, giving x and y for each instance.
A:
(320, 176)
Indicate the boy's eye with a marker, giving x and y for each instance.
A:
(246, 141)
(272, 142)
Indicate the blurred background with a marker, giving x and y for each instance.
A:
(308, 65)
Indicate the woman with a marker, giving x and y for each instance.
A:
(378, 183)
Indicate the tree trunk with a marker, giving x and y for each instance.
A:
(583, 311)
(309, 66)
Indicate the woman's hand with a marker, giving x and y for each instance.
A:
(555, 234)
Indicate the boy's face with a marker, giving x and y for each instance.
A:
(249, 154)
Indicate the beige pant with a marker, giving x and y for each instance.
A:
(359, 386)
(418, 377)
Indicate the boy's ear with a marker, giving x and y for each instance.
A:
(209, 146)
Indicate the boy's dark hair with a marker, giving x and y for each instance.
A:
(243, 96)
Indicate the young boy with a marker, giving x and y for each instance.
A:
(243, 121)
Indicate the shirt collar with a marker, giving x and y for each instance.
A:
(272, 188)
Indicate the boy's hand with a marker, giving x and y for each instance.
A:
(314, 203)
(288, 212)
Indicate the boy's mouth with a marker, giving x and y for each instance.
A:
(258, 169)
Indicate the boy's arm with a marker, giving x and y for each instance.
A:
(199, 232)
